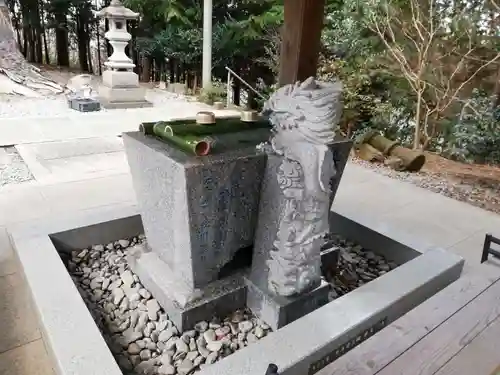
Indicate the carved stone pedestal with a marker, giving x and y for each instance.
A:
(122, 90)
(278, 311)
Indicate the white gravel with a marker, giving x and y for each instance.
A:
(13, 169)
(57, 106)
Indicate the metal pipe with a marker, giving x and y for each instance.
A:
(246, 84)
(228, 89)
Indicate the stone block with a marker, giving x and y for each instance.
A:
(116, 79)
(219, 298)
(177, 88)
(119, 97)
(278, 311)
(197, 211)
(84, 104)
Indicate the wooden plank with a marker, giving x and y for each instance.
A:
(377, 352)
(481, 356)
(428, 355)
(301, 40)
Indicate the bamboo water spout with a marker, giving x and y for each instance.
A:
(194, 136)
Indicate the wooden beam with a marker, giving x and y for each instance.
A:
(301, 40)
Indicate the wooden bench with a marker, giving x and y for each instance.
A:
(457, 331)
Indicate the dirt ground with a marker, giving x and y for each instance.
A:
(475, 184)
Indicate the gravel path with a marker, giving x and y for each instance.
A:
(476, 192)
(13, 169)
(56, 106)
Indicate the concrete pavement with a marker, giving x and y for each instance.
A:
(21, 130)
(363, 196)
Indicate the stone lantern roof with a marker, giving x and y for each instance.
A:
(116, 10)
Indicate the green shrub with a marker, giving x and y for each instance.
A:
(216, 93)
(476, 135)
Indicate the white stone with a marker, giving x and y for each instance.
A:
(185, 367)
(212, 357)
(166, 359)
(204, 351)
(214, 346)
(118, 295)
(144, 293)
(170, 343)
(127, 278)
(210, 335)
(259, 332)
(141, 322)
(123, 243)
(192, 355)
(245, 326)
(181, 346)
(166, 370)
(153, 309)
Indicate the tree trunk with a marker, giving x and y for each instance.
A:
(171, 70)
(82, 37)
(89, 52)
(146, 69)
(38, 34)
(44, 35)
(416, 137)
(25, 79)
(62, 40)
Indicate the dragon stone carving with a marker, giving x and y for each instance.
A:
(305, 118)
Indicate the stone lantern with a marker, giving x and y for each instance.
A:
(120, 85)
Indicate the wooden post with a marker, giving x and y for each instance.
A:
(301, 40)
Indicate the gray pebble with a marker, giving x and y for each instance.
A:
(212, 357)
(245, 326)
(167, 334)
(133, 348)
(201, 326)
(181, 346)
(185, 367)
(145, 354)
(209, 335)
(166, 370)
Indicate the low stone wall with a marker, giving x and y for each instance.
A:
(304, 346)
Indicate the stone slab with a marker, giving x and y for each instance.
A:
(111, 78)
(219, 298)
(279, 311)
(74, 159)
(122, 105)
(197, 211)
(84, 105)
(119, 97)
